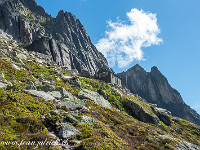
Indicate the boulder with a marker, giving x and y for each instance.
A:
(41, 94)
(140, 113)
(94, 96)
(67, 131)
(163, 115)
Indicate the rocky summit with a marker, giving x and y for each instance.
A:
(63, 39)
(153, 86)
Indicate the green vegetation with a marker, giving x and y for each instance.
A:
(21, 117)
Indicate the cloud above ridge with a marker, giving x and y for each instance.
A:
(123, 42)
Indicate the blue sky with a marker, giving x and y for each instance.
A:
(177, 57)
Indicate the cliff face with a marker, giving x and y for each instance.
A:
(154, 87)
(63, 39)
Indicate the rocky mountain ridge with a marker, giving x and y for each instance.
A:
(63, 39)
(153, 86)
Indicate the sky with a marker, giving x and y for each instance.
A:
(162, 33)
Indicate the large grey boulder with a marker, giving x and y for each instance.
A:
(41, 94)
(163, 115)
(140, 113)
(67, 131)
(94, 96)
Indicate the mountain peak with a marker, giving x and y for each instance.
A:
(154, 68)
(61, 14)
(155, 72)
(155, 88)
(136, 67)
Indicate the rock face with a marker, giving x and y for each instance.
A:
(63, 39)
(154, 87)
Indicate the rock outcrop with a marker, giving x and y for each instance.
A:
(63, 39)
(153, 86)
(140, 113)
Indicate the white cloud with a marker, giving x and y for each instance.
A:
(123, 42)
